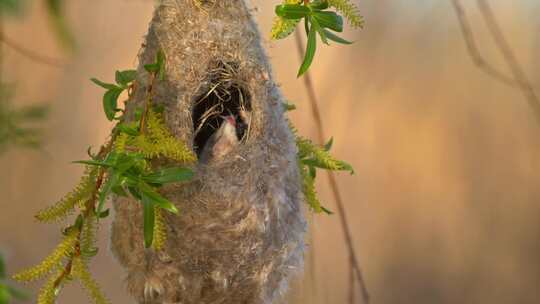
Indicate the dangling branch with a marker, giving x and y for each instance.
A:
(29, 53)
(519, 79)
(473, 50)
(504, 47)
(353, 259)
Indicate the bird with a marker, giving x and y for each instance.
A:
(221, 142)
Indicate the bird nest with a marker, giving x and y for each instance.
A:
(240, 235)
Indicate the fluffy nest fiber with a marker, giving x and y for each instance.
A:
(240, 233)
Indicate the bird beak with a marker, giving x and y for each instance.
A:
(230, 119)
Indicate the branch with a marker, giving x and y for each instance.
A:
(504, 47)
(29, 53)
(519, 79)
(473, 50)
(353, 260)
(1, 50)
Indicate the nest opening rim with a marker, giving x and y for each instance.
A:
(224, 95)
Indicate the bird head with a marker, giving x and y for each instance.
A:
(230, 119)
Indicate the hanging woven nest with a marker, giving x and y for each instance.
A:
(240, 233)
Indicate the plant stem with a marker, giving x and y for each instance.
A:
(89, 209)
(148, 101)
(28, 53)
(353, 260)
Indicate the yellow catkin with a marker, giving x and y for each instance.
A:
(308, 188)
(121, 142)
(81, 272)
(160, 142)
(306, 149)
(47, 293)
(349, 10)
(67, 204)
(64, 249)
(281, 27)
(88, 235)
(309, 151)
(160, 234)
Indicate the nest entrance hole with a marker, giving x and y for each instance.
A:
(225, 96)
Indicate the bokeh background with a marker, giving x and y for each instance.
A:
(445, 203)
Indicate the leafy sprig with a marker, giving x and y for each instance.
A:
(311, 157)
(318, 21)
(124, 166)
(110, 98)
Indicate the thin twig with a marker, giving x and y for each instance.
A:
(1, 50)
(353, 260)
(351, 285)
(509, 56)
(473, 50)
(90, 205)
(519, 79)
(29, 53)
(148, 101)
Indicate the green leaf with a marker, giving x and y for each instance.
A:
(288, 106)
(312, 172)
(17, 294)
(148, 220)
(5, 296)
(129, 130)
(112, 181)
(126, 161)
(160, 60)
(292, 11)
(158, 108)
(319, 5)
(104, 214)
(110, 102)
(119, 190)
(310, 51)
(169, 175)
(108, 86)
(342, 166)
(329, 144)
(151, 67)
(138, 113)
(326, 211)
(157, 67)
(135, 192)
(335, 38)
(124, 78)
(93, 163)
(157, 199)
(319, 29)
(329, 20)
(79, 222)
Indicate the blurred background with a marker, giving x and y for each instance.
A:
(445, 203)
